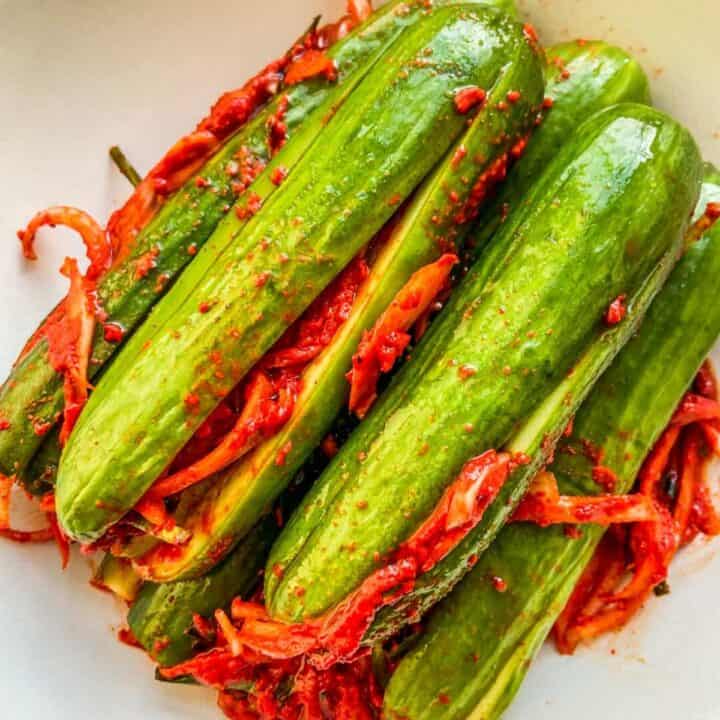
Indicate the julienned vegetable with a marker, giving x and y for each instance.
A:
(227, 311)
(581, 78)
(479, 642)
(431, 223)
(161, 618)
(31, 398)
(530, 310)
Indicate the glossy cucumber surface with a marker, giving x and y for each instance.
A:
(581, 78)
(429, 225)
(479, 643)
(612, 205)
(256, 277)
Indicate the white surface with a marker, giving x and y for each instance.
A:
(79, 75)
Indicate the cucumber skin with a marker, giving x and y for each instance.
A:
(601, 75)
(161, 617)
(33, 389)
(137, 416)
(307, 100)
(588, 209)
(117, 576)
(39, 474)
(479, 643)
(242, 493)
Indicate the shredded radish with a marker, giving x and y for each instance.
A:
(97, 247)
(48, 534)
(69, 328)
(70, 344)
(543, 505)
(271, 390)
(604, 599)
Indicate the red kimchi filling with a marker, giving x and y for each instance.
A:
(675, 501)
(255, 643)
(389, 337)
(51, 533)
(69, 329)
(266, 398)
(284, 690)
(305, 59)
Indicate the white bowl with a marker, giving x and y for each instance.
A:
(78, 77)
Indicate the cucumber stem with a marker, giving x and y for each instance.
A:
(124, 165)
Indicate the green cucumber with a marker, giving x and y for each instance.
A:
(161, 618)
(581, 78)
(308, 100)
(479, 643)
(32, 395)
(242, 493)
(117, 576)
(373, 152)
(528, 312)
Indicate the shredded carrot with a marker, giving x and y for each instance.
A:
(386, 341)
